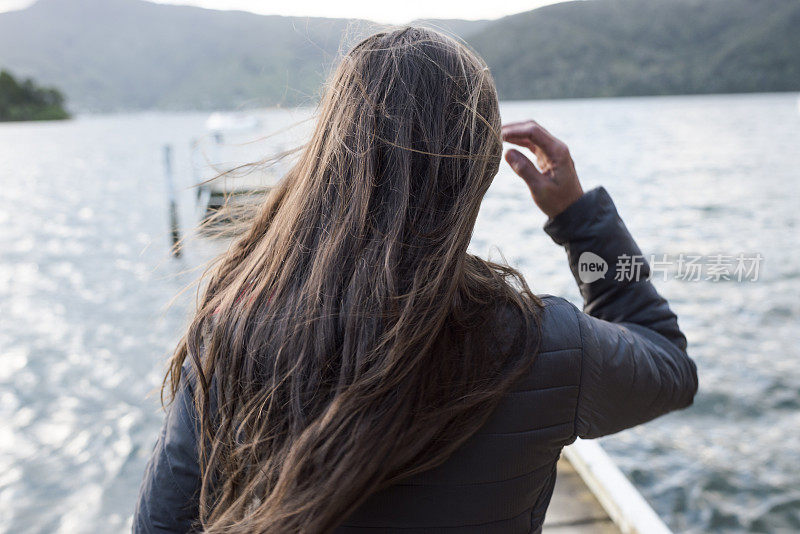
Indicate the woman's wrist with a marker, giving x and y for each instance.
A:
(570, 222)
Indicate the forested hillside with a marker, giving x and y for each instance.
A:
(131, 54)
(24, 100)
(645, 47)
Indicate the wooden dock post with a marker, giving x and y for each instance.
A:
(174, 223)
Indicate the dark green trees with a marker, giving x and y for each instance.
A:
(25, 101)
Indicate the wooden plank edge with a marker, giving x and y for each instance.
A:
(618, 497)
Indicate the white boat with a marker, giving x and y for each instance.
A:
(222, 160)
(232, 122)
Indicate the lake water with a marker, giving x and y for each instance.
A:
(86, 283)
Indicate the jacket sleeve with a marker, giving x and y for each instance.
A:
(634, 365)
(168, 495)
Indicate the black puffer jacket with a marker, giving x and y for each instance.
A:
(619, 363)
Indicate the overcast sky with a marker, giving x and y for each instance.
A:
(386, 11)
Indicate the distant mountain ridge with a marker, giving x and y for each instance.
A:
(130, 54)
(645, 47)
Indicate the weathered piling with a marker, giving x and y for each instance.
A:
(174, 223)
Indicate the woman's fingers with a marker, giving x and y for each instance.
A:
(524, 168)
(554, 184)
(530, 134)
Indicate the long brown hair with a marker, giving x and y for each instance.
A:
(347, 340)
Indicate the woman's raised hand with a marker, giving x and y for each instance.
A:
(554, 184)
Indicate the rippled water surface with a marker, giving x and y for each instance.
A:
(86, 283)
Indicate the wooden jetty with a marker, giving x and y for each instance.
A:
(574, 508)
(235, 190)
(593, 496)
